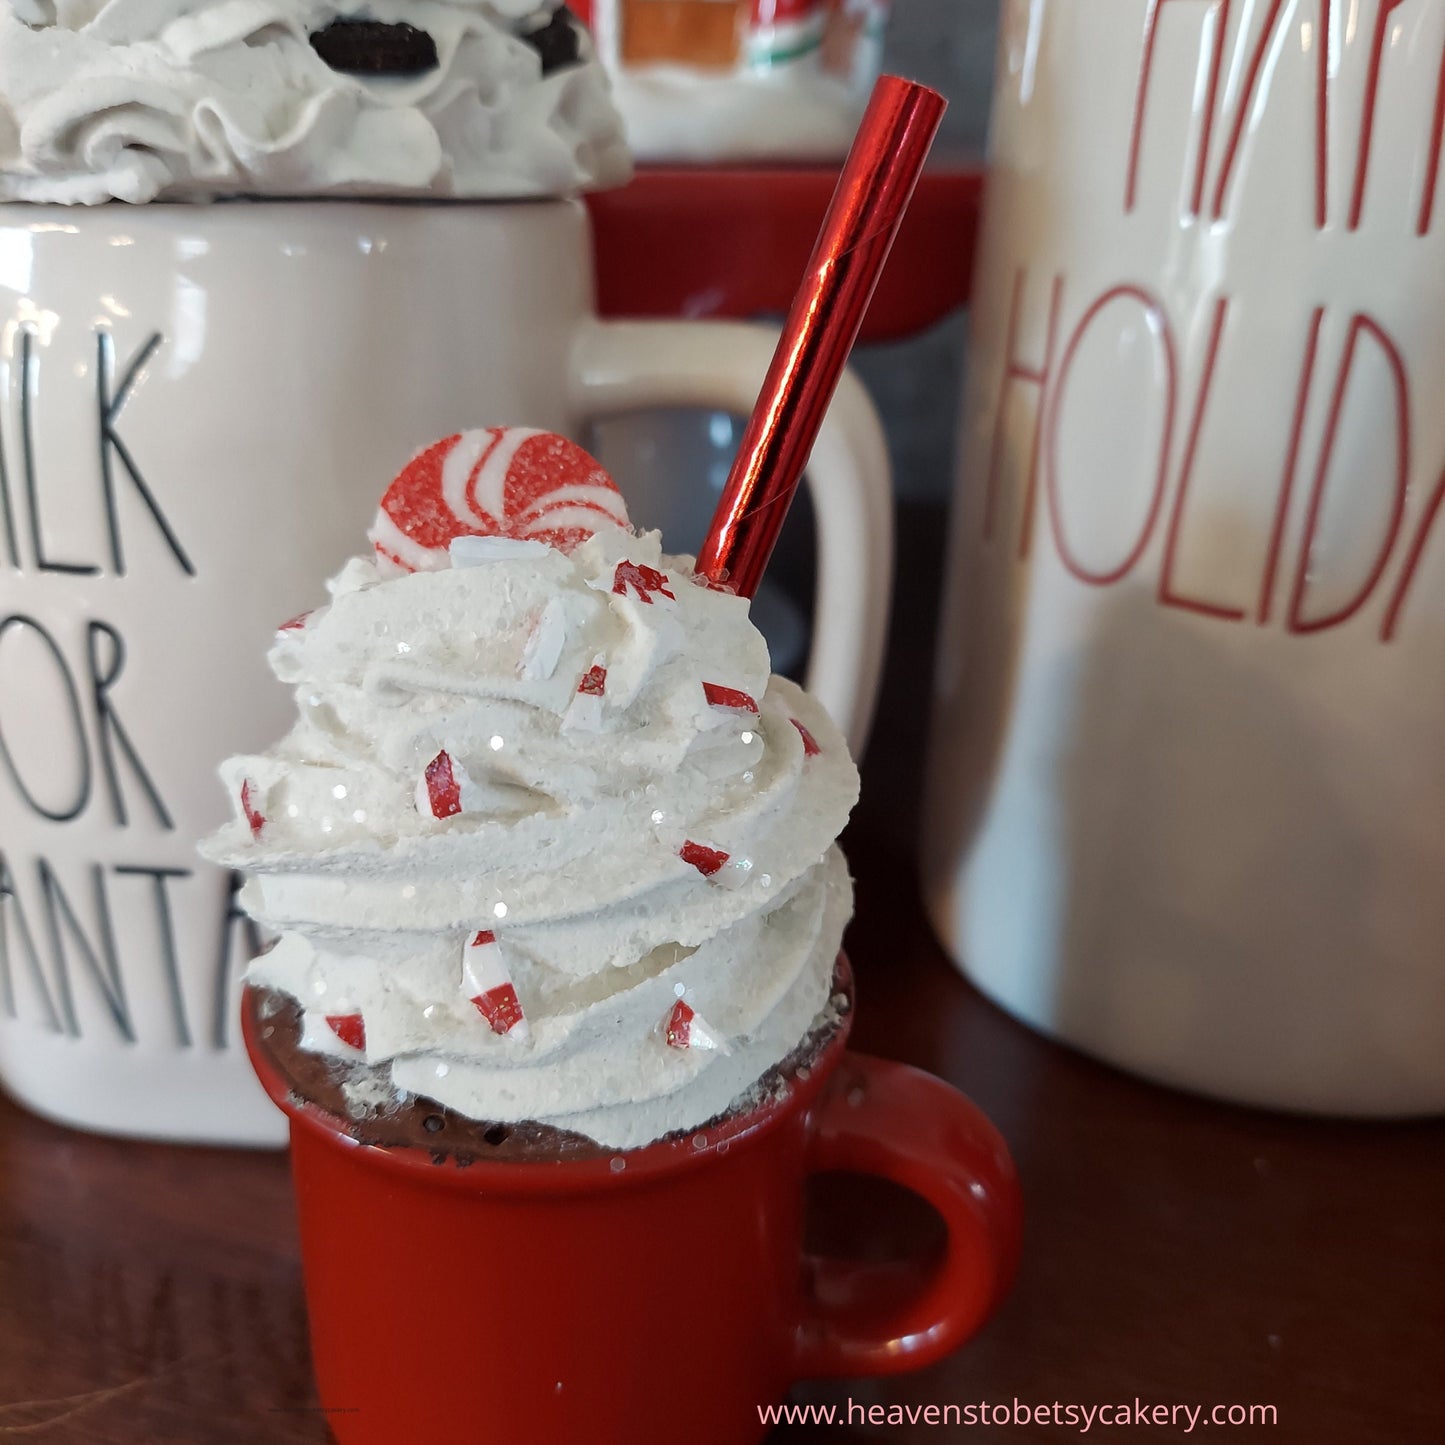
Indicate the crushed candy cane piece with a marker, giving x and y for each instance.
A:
(440, 790)
(686, 1029)
(641, 581)
(679, 1025)
(706, 860)
(487, 983)
(584, 712)
(350, 1029)
(501, 1009)
(477, 549)
(728, 697)
(810, 743)
(544, 644)
(253, 814)
(294, 624)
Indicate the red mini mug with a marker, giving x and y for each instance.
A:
(658, 1294)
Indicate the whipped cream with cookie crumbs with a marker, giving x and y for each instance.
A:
(547, 842)
(139, 100)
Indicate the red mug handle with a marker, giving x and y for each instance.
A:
(896, 1122)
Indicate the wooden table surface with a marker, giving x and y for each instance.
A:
(1176, 1251)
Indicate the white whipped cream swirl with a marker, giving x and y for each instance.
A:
(189, 99)
(579, 811)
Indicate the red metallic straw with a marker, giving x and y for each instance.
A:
(873, 191)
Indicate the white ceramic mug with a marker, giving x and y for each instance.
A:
(1187, 787)
(199, 409)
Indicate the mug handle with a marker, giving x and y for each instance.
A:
(619, 366)
(899, 1123)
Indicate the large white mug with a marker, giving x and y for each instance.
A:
(199, 408)
(1187, 788)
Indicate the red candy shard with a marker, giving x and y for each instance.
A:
(729, 697)
(484, 936)
(706, 860)
(443, 790)
(253, 814)
(810, 743)
(679, 1026)
(495, 482)
(500, 1007)
(594, 684)
(642, 581)
(294, 624)
(349, 1028)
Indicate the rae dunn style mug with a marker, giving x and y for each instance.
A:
(1188, 767)
(199, 406)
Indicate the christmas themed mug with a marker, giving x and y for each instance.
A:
(1188, 766)
(199, 408)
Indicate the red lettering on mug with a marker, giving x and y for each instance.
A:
(1158, 324)
(1016, 370)
(1367, 117)
(1291, 466)
(1432, 166)
(1412, 562)
(1218, 27)
(1360, 325)
(1267, 38)
(1168, 595)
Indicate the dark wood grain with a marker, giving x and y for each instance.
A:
(1176, 1250)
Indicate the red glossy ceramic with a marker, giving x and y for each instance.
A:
(660, 1295)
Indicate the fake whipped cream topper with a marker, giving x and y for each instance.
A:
(187, 99)
(546, 843)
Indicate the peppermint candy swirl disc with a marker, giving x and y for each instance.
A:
(514, 482)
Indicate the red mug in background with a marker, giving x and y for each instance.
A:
(659, 1293)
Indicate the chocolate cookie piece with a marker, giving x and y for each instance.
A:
(370, 47)
(557, 42)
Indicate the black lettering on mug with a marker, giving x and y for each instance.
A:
(12, 913)
(113, 735)
(165, 926)
(28, 381)
(109, 405)
(235, 917)
(76, 719)
(97, 955)
(7, 505)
